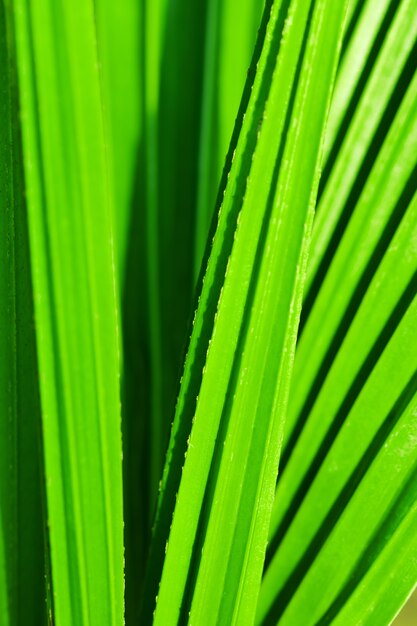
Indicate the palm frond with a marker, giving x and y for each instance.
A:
(231, 453)
(347, 403)
(69, 215)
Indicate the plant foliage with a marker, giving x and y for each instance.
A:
(208, 216)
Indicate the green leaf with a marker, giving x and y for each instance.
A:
(371, 107)
(70, 214)
(115, 119)
(118, 34)
(22, 550)
(217, 539)
(354, 379)
(231, 28)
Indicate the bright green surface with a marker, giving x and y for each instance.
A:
(119, 54)
(354, 372)
(232, 480)
(73, 276)
(120, 125)
(22, 576)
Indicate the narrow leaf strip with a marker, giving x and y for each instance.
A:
(386, 78)
(22, 527)
(269, 214)
(70, 213)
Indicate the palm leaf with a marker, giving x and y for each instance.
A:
(229, 40)
(244, 302)
(362, 285)
(69, 211)
(118, 36)
(22, 595)
(115, 119)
